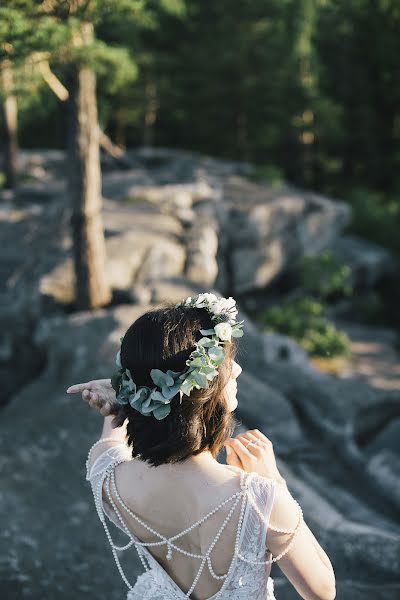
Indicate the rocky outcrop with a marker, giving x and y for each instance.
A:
(178, 223)
(346, 495)
(368, 261)
(268, 230)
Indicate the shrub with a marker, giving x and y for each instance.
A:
(325, 277)
(302, 319)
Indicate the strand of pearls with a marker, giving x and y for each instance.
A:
(287, 549)
(99, 506)
(244, 483)
(132, 540)
(278, 529)
(110, 476)
(165, 540)
(129, 544)
(100, 441)
(215, 540)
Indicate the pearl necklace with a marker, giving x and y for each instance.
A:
(109, 476)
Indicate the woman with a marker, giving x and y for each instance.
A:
(202, 529)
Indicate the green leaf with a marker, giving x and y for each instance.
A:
(162, 411)
(116, 381)
(205, 342)
(187, 387)
(237, 333)
(160, 378)
(200, 379)
(216, 354)
(169, 392)
(198, 362)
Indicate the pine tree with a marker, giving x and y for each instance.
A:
(63, 32)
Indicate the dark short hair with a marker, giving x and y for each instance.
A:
(163, 339)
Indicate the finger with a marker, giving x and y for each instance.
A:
(105, 409)
(252, 443)
(92, 403)
(232, 458)
(241, 450)
(77, 388)
(247, 437)
(261, 436)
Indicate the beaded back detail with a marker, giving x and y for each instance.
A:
(247, 575)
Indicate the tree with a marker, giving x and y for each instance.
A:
(62, 32)
(84, 180)
(10, 124)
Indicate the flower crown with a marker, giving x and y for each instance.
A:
(202, 364)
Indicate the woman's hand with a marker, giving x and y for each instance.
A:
(100, 394)
(252, 451)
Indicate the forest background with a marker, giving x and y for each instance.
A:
(308, 90)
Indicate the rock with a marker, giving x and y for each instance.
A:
(136, 255)
(202, 246)
(387, 438)
(385, 468)
(335, 439)
(336, 498)
(270, 229)
(264, 408)
(369, 262)
(172, 199)
(280, 348)
(173, 290)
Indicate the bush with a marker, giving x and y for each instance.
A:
(268, 173)
(325, 277)
(302, 319)
(376, 217)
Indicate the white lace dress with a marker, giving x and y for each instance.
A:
(247, 577)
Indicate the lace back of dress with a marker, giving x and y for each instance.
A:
(102, 476)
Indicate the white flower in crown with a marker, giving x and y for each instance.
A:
(205, 300)
(223, 331)
(225, 306)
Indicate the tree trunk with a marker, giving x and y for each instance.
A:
(84, 179)
(10, 125)
(150, 115)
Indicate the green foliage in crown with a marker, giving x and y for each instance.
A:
(201, 366)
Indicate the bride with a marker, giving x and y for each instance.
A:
(202, 529)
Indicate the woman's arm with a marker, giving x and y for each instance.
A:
(116, 433)
(306, 565)
(100, 394)
(110, 436)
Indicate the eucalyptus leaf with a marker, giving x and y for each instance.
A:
(187, 387)
(156, 395)
(170, 392)
(173, 374)
(237, 333)
(123, 397)
(116, 381)
(206, 342)
(197, 362)
(216, 354)
(147, 409)
(162, 411)
(200, 379)
(160, 378)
